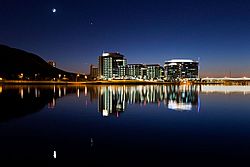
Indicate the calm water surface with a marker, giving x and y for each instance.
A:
(108, 125)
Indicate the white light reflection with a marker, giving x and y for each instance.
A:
(59, 92)
(78, 92)
(54, 89)
(52, 104)
(179, 106)
(64, 91)
(36, 93)
(85, 91)
(21, 93)
(105, 113)
(28, 89)
(225, 89)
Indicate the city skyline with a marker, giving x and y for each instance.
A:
(74, 34)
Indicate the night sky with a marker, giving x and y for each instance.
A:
(217, 31)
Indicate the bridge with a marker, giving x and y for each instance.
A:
(227, 80)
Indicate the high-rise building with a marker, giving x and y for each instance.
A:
(112, 66)
(178, 69)
(93, 71)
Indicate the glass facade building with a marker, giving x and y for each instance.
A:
(179, 69)
(112, 66)
(144, 71)
(154, 71)
(134, 71)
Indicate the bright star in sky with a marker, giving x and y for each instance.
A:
(54, 10)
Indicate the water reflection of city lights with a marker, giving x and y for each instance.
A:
(78, 92)
(105, 113)
(1, 89)
(225, 89)
(64, 91)
(85, 91)
(21, 93)
(114, 99)
(36, 92)
(52, 104)
(59, 92)
(54, 88)
(179, 106)
(28, 89)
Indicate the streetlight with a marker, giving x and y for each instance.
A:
(21, 76)
(77, 76)
(59, 75)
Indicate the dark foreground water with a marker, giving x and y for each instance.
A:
(125, 125)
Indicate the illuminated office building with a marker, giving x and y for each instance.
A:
(112, 66)
(179, 69)
(153, 71)
(134, 71)
(144, 71)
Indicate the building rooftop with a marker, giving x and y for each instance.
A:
(113, 54)
(180, 61)
(152, 64)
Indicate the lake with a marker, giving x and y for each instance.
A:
(125, 124)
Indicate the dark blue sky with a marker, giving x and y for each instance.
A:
(217, 31)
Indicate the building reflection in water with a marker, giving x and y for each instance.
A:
(28, 89)
(183, 98)
(225, 89)
(64, 91)
(52, 104)
(59, 92)
(21, 100)
(112, 100)
(85, 90)
(21, 92)
(78, 92)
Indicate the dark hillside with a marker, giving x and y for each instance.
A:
(14, 62)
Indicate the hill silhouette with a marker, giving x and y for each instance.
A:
(16, 64)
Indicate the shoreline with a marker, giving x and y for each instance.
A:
(113, 82)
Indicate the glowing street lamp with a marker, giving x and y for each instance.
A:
(77, 76)
(20, 76)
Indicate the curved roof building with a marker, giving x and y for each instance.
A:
(178, 69)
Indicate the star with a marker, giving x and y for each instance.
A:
(54, 10)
